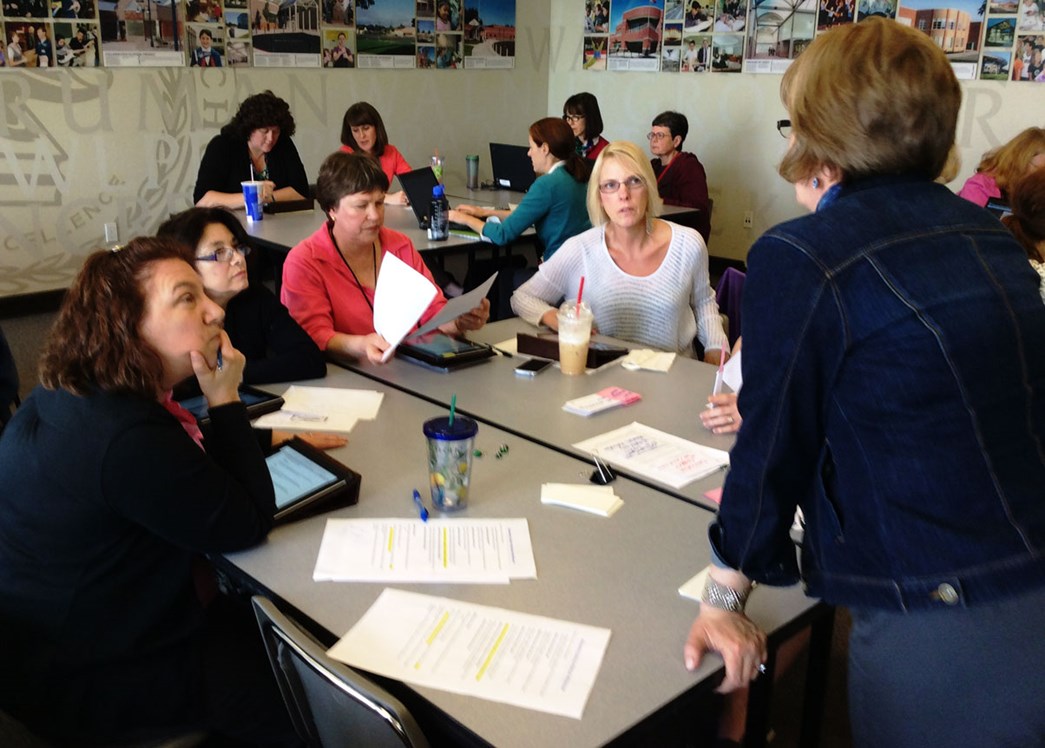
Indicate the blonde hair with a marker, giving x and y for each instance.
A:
(870, 98)
(1008, 163)
(633, 159)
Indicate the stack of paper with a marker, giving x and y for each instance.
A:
(605, 399)
(322, 409)
(468, 551)
(588, 498)
(648, 360)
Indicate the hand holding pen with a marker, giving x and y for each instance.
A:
(220, 382)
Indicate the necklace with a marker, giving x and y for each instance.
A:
(373, 255)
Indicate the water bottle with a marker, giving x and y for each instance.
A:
(439, 215)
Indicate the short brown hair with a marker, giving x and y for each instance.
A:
(870, 98)
(1008, 163)
(346, 174)
(1027, 222)
(632, 158)
(96, 340)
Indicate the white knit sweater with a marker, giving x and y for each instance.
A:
(665, 310)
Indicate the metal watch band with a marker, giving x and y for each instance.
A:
(722, 597)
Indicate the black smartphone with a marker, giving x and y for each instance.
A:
(532, 367)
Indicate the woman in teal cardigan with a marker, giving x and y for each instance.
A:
(555, 204)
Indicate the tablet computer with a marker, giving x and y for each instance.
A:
(308, 481)
(258, 403)
(442, 352)
(289, 206)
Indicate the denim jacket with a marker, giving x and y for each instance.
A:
(894, 388)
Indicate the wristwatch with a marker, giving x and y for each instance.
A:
(720, 596)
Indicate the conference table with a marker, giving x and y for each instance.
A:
(620, 573)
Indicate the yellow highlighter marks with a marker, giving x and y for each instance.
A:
(493, 652)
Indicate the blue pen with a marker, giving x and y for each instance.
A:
(420, 506)
(220, 361)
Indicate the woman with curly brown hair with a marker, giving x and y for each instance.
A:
(111, 493)
(256, 144)
(1027, 220)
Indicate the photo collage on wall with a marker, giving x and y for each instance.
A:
(436, 34)
(984, 39)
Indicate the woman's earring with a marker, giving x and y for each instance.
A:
(816, 183)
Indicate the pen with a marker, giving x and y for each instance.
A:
(420, 506)
(296, 415)
(221, 362)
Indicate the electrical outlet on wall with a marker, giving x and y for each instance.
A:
(749, 219)
(111, 234)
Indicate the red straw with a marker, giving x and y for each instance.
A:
(580, 292)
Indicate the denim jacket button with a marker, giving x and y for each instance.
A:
(947, 594)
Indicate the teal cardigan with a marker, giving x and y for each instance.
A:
(554, 206)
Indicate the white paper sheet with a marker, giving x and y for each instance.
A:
(402, 295)
(322, 409)
(473, 551)
(693, 588)
(648, 359)
(600, 500)
(656, 454)
(477, 650)
(457, 306)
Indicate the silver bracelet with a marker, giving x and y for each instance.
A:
(720, 596)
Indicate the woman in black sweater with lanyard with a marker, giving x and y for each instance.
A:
(255, 145)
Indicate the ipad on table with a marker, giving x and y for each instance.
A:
(439, 351)
(308, 481)
(258, 403)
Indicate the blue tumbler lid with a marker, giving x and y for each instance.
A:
(440, 428)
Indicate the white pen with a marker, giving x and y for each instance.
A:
(300, 416)
(717, 388)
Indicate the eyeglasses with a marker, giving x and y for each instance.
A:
(651, 136)
(573, 117)
(224, 254)
(612, 186)
(783, 126)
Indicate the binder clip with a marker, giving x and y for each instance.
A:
(603, 474)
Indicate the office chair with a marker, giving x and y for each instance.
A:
(330, 703)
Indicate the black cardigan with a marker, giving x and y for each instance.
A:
(226, 163)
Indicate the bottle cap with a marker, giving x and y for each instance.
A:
(437, 191)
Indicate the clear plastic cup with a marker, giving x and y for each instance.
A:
(450, 460)
(252, 192)
(574, 336)
(437, 168)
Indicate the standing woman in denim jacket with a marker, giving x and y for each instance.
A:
(894, 389)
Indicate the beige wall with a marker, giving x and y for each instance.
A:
(732, 127)
(85, 147)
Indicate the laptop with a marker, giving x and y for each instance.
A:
(417, 185)
(512, 168)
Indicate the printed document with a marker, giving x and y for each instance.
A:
(400, 298)
(656, 454)
(495, 654)
(457, 306)
(475, 551)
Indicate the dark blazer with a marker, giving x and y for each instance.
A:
(226, 163)
(106, 502)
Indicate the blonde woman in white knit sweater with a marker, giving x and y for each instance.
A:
(645, 279)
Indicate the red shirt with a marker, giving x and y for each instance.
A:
(325, 299)
(392, 161)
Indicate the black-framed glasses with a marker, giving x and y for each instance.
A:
(783, 126)
(612, 186)
(224, 254)
(573, 117)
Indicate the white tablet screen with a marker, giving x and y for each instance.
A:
(295, 476)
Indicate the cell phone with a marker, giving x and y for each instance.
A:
(532, 367)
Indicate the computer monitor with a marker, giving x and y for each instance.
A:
(512, 169)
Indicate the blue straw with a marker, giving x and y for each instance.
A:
(453, 407)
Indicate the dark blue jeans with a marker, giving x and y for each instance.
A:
(970, 677)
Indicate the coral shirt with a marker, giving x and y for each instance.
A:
(392, 161)
(323, 296)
